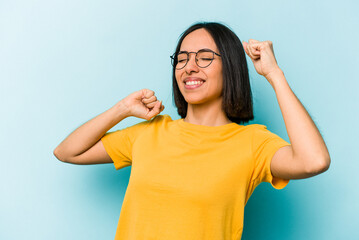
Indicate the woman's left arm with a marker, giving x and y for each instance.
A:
(308, 155)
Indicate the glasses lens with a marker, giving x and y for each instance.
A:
(204, 58)
(181, 60)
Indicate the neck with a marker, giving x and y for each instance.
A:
(208, 114)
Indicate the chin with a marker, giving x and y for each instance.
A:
(194, 100)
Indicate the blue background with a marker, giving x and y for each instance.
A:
(64, 62)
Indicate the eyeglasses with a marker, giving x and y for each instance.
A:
(204, 58)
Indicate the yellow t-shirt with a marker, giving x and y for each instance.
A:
(190, 181)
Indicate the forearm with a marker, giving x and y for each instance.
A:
(307, 143)
(85, 136)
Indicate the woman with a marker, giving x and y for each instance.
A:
(191, 178)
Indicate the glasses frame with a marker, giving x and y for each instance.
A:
(174, 60)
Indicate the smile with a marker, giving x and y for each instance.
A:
(193, 84)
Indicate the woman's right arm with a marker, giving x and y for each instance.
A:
(83, 146)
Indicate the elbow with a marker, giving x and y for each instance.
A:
(58, 155)
(325, 163)
(321, 166)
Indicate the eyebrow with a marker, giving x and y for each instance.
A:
(207, 49)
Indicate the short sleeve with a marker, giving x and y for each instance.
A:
(118, 144)
(264, 145)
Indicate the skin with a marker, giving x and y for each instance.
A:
(204, 103)
(307, 156)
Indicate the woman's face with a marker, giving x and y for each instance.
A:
(211, 88)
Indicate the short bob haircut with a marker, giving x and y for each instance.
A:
(237, 96)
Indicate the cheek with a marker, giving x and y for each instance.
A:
(220, 74)
(178, 77)
(217, 74)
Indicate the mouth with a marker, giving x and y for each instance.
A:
(193, 82)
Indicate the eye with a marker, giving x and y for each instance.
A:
(206, 59)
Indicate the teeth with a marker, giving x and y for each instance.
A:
(194, 82)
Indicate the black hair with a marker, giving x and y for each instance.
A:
(237, 96)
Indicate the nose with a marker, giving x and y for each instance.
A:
(191, 65)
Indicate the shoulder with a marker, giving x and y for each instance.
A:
(261, 133)
(257, 128)
(160, 119)
(137, 129)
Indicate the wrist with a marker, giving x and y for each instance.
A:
(275, 77)
(121, 111)
(273, 74)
